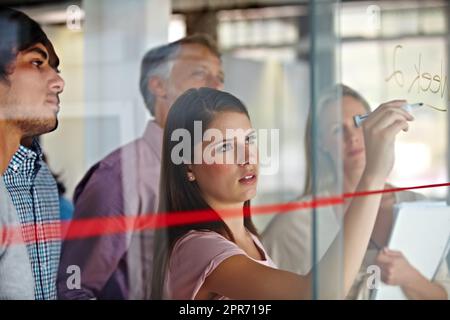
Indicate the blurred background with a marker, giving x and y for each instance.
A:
(277, 55)
(266, 41)
(266, 57)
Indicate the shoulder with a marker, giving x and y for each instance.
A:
(202, 249)
(103, 172)
(298, 221)
(119, 162)
(7, 211)
(115, 158)
(194, 257)
(289, 236)
(205, 243)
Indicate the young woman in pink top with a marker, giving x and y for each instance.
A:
(220, 256)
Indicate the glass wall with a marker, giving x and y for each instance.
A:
(304, 70)
(399, 50)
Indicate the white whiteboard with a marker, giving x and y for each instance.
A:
(421, 232)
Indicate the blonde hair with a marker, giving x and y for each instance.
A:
(327, 174)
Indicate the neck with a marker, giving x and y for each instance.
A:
(236, 226)
(161, 110)
(27, 142)
(233, 217)
(9, 143)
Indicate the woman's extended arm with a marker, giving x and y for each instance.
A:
(238, 277)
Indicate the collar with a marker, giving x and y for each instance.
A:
(26, 160)
(153, 136)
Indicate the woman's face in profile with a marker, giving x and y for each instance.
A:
(228, 174)
(334, 129)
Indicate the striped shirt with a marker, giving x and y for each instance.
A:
(34, 194)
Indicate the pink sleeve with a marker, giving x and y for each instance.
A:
(193, 259)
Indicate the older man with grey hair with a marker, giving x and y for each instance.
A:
(126, 182)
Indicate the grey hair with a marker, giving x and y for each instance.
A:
(160, 60)
(156, 62)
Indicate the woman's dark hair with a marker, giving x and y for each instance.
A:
(176, 192)
(19, 32)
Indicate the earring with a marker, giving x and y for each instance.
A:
(191, 178)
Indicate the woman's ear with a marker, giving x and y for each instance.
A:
(157, 86)
(190, 173)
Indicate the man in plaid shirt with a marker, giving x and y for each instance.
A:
(29, 102)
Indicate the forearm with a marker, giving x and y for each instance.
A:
(358, 224)
(420, 288)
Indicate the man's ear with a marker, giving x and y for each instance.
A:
(10, 68)
(157, 86)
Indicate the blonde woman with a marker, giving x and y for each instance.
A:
(288, 236)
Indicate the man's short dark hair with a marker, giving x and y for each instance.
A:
(156, 62)
(19, 32)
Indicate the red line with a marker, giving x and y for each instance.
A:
(393, 190)
(104, 226)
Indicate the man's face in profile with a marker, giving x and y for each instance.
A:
(30, 97)
(194, 67)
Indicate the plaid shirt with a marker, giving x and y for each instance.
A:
(34, 194)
